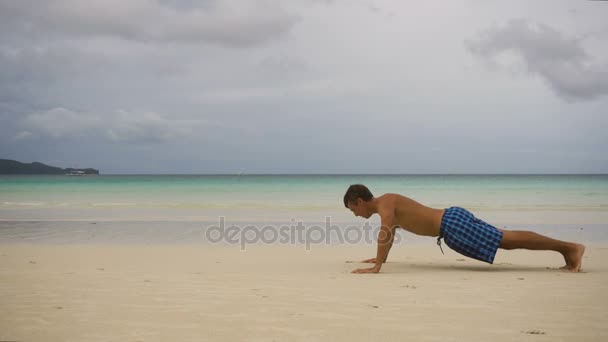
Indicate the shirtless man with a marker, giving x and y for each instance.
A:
(459, 228)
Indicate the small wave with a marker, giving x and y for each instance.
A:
(113, 204)
(24, 203)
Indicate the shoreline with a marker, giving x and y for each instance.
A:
(233, 233)
(495, 217)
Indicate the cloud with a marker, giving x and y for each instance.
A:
(60, 122)
(147, 127)
(233, 23)
(560, 61)
(318, 89)
(120, 126)
(24, 135)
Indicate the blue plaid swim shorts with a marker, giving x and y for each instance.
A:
(468, 235)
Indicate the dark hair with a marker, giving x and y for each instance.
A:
(356, 191)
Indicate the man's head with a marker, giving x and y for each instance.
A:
(358, 199)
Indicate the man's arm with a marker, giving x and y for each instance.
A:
(385, 238)
(390, 244)
(385, 241)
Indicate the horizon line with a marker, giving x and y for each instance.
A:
(354, 174)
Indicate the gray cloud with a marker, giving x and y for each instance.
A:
(236, 23)
(120, 126)
(559, 60)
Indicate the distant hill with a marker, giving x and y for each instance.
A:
(13, 167)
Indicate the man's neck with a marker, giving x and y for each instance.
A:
(373, 205)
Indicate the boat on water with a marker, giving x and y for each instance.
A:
(79, 173)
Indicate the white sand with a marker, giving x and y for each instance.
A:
(279, 293)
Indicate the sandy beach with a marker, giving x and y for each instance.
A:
(81, 292)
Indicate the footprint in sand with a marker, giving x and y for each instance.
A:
(374, 306)
(409, 286)
(520, 278)
(32, 262)
(535, 332)
(100, 269)
(461, 260)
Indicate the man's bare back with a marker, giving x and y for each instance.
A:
(411, 215)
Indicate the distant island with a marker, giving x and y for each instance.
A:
(13, 167)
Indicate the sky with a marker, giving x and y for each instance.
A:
(306, 86)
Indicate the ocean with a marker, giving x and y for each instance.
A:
(531, 201)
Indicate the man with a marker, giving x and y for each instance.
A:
(459, 228)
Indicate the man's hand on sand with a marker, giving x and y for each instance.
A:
(374, 269)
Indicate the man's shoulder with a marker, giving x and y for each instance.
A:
(391, 198)
(388, 202)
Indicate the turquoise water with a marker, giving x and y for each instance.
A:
(268, 196)
(178, 208)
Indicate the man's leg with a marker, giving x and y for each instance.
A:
(572, 252)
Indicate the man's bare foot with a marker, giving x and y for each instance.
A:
(574, 258)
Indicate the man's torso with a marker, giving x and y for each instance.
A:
(413, 216)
